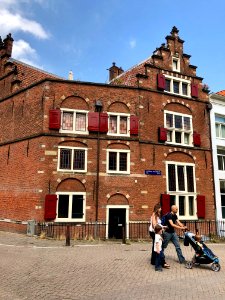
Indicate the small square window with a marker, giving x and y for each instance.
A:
(176, 65)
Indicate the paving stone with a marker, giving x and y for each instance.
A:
(35, 269)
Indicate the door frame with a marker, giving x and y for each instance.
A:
(126, 218)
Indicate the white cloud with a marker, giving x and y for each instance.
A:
(132, 43)
(21, 48)
(24, 52)
(10, 22)
(13, 18)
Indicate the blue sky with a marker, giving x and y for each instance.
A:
(86, 36)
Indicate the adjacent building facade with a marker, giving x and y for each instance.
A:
(218, 142)
(78, 152)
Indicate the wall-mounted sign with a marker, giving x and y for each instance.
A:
(153, 172)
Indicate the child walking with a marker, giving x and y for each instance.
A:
(159, 254)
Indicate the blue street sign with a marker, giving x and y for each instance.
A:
(153, 172)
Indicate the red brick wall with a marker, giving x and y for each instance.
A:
(28, 168)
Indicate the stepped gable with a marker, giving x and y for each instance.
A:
(161, 61)
(14, 74)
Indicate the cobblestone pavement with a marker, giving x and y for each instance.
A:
(31, 268)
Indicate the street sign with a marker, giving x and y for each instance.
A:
(153, 172)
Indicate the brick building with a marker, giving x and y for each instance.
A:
(83, 152)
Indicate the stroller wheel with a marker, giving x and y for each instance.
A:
(188, 265)
(215, 267)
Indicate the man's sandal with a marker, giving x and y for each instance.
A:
(166, 266)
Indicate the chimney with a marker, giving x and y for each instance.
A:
(70, 77)
(8, 44)
(114, 71)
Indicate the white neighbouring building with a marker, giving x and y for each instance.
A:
(218, 146)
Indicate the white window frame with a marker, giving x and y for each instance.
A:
(118, 151)
(172, 79)
(218, 125)
(177, 62)
(74, 111)
(118, 115)
(184, 193)
(173, 130)
(72, 158)
(222, 206)
(70, 207)
(127, 218)
(223, 158)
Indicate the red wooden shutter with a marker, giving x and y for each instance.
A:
(162, 134)
(92, 121)
(103, 122)
(196, 139)
(50, 207)
(161, 82)
(201, 206)
(54, 119)
(194, 90)
(134, 125)
(165, 203)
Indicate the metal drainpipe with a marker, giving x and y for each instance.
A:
(98, 107)
(97, 169)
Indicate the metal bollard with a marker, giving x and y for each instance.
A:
(68, 235)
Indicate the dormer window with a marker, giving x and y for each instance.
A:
(176, 64)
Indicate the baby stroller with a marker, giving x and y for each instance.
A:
(203, 255)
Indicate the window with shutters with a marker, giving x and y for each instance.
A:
(181, 188)
(178, 86)
(71, 207)
(72, 159)
(119, 124)
(220, 126)
(118, 161)
(179, 128)
(74, 121)
(221, 159)
(222, 194)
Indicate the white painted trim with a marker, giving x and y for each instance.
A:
(72, 158)
(178, 64)
(182, 131)
(117, 167)
(172, 78)
(118, 115)
(185, 193)
(74, 111)
(70, 207)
